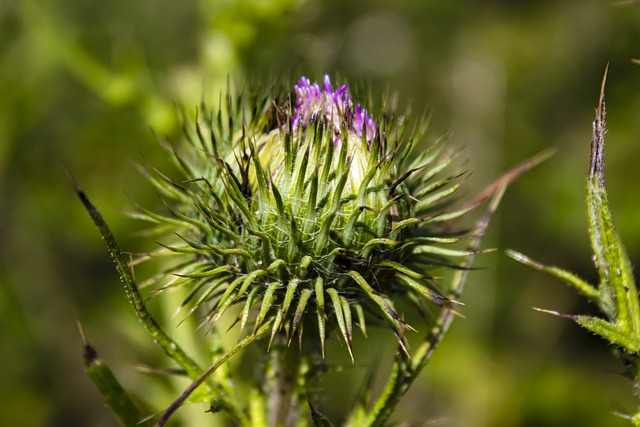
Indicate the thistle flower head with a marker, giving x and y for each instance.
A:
(313, 217)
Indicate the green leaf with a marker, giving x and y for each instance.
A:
(612, 333)
(611, 259)
(580, 285)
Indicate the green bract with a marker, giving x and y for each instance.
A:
(310, 217)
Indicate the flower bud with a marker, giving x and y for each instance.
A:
(313, 218)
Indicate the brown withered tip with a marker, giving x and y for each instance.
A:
(89, 354)
(596, 163)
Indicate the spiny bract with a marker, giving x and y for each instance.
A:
(311, 217)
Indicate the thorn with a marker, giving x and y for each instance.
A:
(274, 330)
(402, 343)
(508, 177)
(596, 167)
(300, 341)
(145, 369)
(454, 302)
(353, 361)
(408, 326)
(177, 311)
(235, 322)
(73, 182)
(524, 259)
(287, 330)
(290, 337)
(457, 313)
(623, 416)
(399, 319)
(554, 313)
(83, 337)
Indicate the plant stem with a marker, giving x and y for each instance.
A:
(282, 385)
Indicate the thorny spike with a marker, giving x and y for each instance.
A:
(300, 330)
(319, 291)
(427, 293)
(346, 311)
(266, 304)
(231, 289)
(276, 326)
(247, 307)
(361, 319)
(340, 318)
(288, 297)
(302, 304)
(218, 312)
(383, 303)
(321, 326)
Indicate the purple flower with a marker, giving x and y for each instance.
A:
(335, 108)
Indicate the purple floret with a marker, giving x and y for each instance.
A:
(334, 107)
(361, 120)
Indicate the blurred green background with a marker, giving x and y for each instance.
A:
(83, 83)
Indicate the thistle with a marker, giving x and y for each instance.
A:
(313, 220)
(312, 216)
